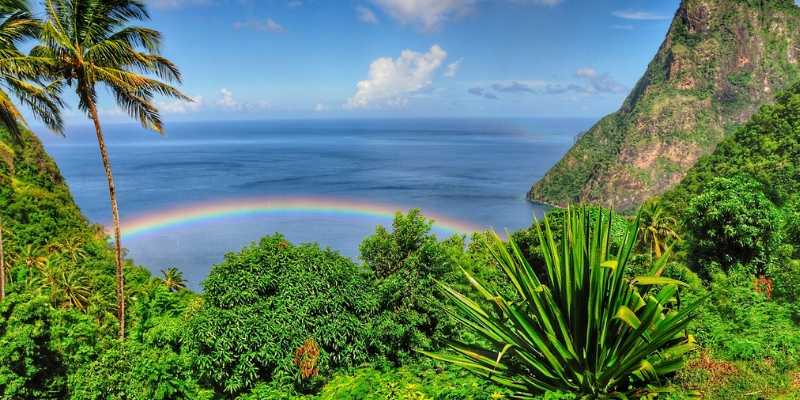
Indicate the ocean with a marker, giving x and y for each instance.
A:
(208, 188)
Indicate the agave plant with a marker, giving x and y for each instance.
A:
(584, 328)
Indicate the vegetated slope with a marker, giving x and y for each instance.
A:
(49, 246)
(720, 61)
(767, 148)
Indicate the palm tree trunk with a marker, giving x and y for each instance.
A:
(2, 264)
(115, 214)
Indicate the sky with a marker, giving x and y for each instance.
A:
(270, 59)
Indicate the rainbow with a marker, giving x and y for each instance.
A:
(204, 214)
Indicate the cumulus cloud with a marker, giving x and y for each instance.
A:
(366, 15)
(179, 106)
(451, 68)
(597, 82)
(641, 15)
(321, 107)
(175, 4)
(391, 82)
(269, 26)
(228, 102)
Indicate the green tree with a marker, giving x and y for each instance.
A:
(260, 305)
(589, 331)
(90, 43)
(732, 222)
(30, 366)
(406, 262)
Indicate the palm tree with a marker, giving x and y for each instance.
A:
(17, 71)
(173, 279)
(89, 43)
(73, 247)
(657, 226)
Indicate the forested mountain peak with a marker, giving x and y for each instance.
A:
(719, 62)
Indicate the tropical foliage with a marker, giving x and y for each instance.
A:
(87, 43)
(260, 305)
(583, 328)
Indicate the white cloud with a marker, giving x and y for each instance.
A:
(639, 15)
(268, 26)
(625, 27)
(427, 13)
(321, 107)
(179, 106)
(265, 105)
(293, 4)
(228, 102)
(175, 4)
(392, 82)
(597, 82)
(451, 68)
(366, 15)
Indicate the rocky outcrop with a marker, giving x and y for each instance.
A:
(720, 61)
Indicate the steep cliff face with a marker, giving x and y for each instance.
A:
(720, 61)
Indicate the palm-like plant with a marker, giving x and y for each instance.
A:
(657, 226)
(584, 328)
(173, 279)
(19, 73)
(90, 43)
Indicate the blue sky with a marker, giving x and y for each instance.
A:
(262, 59)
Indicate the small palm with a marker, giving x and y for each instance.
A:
(173, 279)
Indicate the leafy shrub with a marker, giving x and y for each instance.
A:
(30, 365)
(731, 222)
(405, 264)
(261, 304)
(591, 331)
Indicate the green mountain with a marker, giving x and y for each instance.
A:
(720, 61)
(766, 148)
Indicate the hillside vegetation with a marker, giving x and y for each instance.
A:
(719, 62)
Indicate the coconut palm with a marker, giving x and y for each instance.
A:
(173, 279)
(19, 74)
(89, 44)
(72, 246)
(657, 226)
(582, 327)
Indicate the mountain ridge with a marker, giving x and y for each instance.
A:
(719, 62)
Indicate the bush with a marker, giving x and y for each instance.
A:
(260, 306)
(405, 264)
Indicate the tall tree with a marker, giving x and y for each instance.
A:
(17, 71)
(90, 43)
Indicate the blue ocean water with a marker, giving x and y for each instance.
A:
(475, 171)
